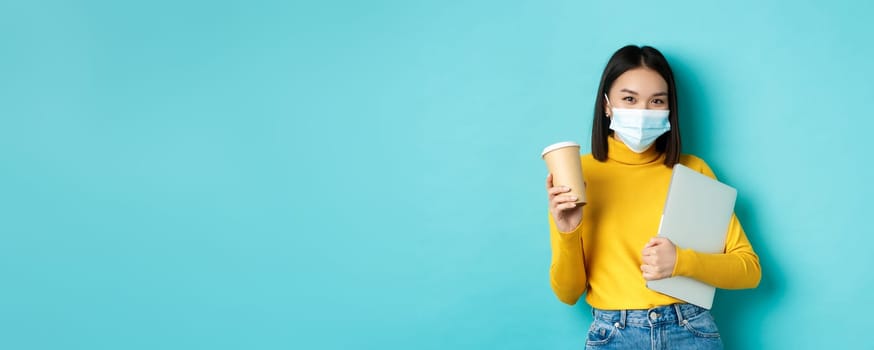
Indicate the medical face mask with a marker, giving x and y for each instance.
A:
(639, 128)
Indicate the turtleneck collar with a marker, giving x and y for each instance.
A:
(618, 151)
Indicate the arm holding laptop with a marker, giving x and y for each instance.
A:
(737, 267)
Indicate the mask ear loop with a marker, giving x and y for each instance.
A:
(611, 106)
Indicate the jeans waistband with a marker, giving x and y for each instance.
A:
(674, 313)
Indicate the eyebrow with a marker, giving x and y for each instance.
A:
(662, 93)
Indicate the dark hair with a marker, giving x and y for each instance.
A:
(623, 60)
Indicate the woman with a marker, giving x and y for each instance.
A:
(608, 247)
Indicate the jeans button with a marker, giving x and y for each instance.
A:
(653, 316)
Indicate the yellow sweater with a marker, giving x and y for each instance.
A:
(626, 195)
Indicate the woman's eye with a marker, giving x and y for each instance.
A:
(658, 101)
(629, 99)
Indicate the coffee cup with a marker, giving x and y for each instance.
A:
(563, 161)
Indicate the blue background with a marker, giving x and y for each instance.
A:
(342, 174)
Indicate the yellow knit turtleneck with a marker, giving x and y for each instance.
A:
(620, 153)
(602, 256)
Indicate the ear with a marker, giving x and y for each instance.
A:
(606, 104)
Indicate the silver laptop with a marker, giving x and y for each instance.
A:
(697, 213)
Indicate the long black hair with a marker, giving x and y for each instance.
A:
(625, 59)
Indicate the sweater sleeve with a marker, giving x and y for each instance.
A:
(567, 272)
(736, 268)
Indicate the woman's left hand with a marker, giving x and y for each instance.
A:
(659, 257)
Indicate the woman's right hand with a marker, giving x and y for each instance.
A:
(562, 206)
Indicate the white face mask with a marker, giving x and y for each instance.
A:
(639, 128)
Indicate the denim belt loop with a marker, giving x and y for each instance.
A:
(680, 317)
(622, 316)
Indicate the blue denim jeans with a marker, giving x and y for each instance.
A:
(677, 326)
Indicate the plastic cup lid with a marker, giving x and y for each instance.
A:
(558, 145)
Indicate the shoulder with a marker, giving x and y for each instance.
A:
(587, 160)
(697, 164)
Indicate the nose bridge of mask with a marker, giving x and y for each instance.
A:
(641, 118)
